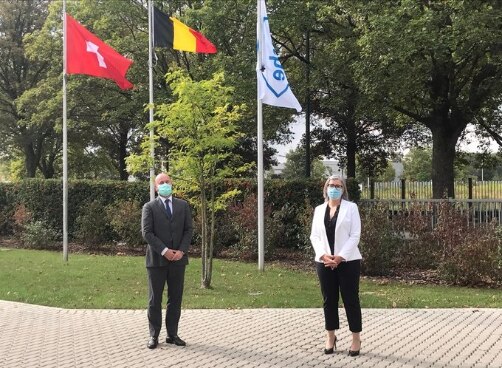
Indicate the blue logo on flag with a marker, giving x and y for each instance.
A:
(278, 76)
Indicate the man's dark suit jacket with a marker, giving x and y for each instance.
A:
(159, 231)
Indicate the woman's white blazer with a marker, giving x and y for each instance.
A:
(347, 232)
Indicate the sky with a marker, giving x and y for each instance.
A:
(298, 129)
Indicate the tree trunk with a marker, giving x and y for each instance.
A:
(351, 131)
(211, 237)
(30, 160)
(351, 149)
(48, 169)
(46, 165)
(205, 280)
(443, 155)
(122, 153)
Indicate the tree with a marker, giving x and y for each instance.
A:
(101, 117)
(294, 167)
(389, 174)
(18, 74)
(437, 64)
(417, 164)
(231, 25)
(480, 165)
(4, 169)
(349, 126)
(201, 125)
(385, 174)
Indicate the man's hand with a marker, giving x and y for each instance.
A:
(173, 255)
(170, 254)
(178, 254)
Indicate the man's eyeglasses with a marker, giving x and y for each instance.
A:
(337, 186)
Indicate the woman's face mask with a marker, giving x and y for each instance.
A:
(334, 193)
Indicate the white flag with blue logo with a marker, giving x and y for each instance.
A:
(273, 86)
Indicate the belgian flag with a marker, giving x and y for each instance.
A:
(170, 32)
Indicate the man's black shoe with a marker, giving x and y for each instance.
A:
(152, 343)
(175, 340)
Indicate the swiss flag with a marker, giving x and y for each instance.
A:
(87, 54)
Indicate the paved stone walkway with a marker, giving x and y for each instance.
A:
(36, 336)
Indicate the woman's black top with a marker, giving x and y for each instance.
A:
(330, 225)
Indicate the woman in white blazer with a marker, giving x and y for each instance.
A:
(336, 229)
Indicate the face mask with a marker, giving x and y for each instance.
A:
(334, 193)
(165, 190)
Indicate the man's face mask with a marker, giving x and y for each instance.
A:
(165, 189)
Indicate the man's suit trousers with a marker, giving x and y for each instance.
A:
(174, 276)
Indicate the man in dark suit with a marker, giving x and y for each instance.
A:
(166, 225)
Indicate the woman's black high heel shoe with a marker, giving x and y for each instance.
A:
(330, 350)
(354, 353)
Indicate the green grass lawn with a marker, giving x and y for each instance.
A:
(88, 281)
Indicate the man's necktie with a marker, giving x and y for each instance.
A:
(168, 209)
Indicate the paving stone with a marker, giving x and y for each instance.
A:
(37, 336)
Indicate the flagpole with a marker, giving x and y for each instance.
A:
(150, 82)
(65, 146)
(261, 222)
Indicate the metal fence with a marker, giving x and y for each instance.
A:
(468, 189)
(475, 211)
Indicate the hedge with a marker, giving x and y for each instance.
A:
(102, 213)
(42, 198)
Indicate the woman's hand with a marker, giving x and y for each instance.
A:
(338, 259)
(331, 261)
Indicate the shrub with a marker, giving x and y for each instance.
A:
(48, 205)
(6, 210)
(292, 225)
(278, 233)
(451, 227)
(125, 220)
(22, 217)
(418, 249)
(304, 219)
(196, 245)
(244, 219)
(378, 241)
(39, 235)
(93, 227)
(226, 234)
(286, 235)
(6, 225)
(476, 259)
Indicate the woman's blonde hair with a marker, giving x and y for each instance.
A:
(345, 194)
